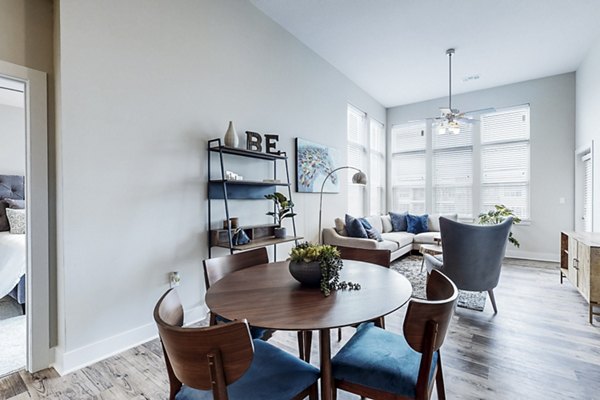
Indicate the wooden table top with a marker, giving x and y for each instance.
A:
(269, 297)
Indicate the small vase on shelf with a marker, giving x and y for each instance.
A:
(231, 137)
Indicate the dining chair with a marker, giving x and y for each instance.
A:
(216, 268)
(473, 255)
(379, 364)
(223, 362)
(374, 256)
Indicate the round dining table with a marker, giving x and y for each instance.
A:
(267, 296)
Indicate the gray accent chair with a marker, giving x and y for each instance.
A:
(472, 256)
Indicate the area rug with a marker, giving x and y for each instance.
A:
(12, 336)
(410, 267)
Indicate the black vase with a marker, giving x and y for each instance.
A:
(279, 232)
(307, 273)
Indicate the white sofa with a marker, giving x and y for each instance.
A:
(399, 243)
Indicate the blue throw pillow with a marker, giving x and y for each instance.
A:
(355, 228)
(416, 223)
(398, 221)
(372, 233)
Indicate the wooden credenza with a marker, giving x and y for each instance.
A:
(580, 264)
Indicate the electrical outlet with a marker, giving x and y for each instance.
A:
(174, 279)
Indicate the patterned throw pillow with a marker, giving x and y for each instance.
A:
(16, 220)
(398, 221)
(416, 223)
(372, 233)
(355, 228)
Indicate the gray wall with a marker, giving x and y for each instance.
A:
(588, 117)
(12, 140)
(142, 89)
(552, 105)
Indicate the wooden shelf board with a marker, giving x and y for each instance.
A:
(247, 153)
(249, 183)
(262, 242)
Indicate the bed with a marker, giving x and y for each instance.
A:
(12, 246)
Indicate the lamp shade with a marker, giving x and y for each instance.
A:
(359, 178)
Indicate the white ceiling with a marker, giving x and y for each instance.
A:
(395, 49)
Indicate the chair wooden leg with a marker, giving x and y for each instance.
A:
(439, 379)
(493, 300)
(314, 392)
(339, 334)
(300, 345)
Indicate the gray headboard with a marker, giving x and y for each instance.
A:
(11, 187)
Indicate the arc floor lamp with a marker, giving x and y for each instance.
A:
(359, 178)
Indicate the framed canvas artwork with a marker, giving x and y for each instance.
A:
(313, 163)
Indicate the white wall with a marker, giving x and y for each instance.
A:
(142, 88)
(12, 140)
(552, 106)
(588, 117)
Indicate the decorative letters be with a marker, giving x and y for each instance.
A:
(254, 142)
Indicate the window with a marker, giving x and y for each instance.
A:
(409, 167)
(366, 151)
(376, 177)
(452, 172)
(505, 160)
(587, 192)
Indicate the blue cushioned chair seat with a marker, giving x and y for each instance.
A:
(273, 374)
(256, 333)
(380, 360)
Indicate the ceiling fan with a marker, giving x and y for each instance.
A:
(450, 117)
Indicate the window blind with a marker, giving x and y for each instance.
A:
(587, 193)
(376, 175)
(505, 160)
(408, 167)
(408, 137)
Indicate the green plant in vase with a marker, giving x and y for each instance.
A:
(496, 216)
(319, 265)
(283, 209)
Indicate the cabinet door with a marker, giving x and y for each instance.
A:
(583, 255)
(572, 271)
(595, 274)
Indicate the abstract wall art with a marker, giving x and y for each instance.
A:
(313, 162)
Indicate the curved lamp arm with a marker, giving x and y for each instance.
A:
(359, 177)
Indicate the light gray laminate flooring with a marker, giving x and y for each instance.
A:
(539, 346)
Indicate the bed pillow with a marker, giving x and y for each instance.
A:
(416, 223)
(355, 228)
(16, 220)
(372, 232)
(398, 221)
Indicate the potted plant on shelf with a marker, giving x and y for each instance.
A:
(496, 216)
(283, 209)
(318, 265)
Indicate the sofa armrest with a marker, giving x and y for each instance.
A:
(330, 236)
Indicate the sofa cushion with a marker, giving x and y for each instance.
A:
(375, 221)
(398, 221)
(426, 237)
(372, 232)
(340, 227)
(433, 221)
(416, 223)
(355, 228)
(388, 245)
(401, 238)
(386, 223)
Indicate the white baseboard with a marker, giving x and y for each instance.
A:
(532, 255)
(73, 360)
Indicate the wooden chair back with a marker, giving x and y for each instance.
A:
(217, 268)
(426, 324)
(201, 358)
(374, 256)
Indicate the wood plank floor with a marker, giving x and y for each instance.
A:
(539, 346)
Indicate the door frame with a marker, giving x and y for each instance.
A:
(36, 200)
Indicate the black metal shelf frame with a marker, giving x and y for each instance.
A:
(223, 189)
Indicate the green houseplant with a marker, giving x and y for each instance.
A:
(318, 265)
(496, 216)
(283, 209)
